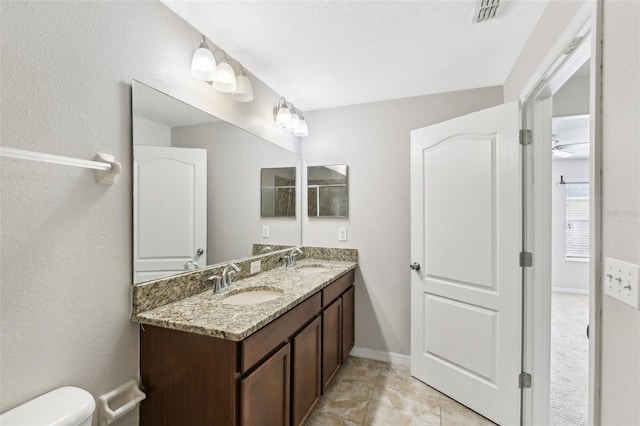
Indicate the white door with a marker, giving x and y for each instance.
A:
(466, 237)
(169, 210)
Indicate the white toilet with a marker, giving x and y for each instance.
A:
(66, 406)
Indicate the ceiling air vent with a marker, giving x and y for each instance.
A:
(485, 10)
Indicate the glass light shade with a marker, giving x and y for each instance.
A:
(302, 130)
(225, 80)
(244, 91)
(295, 121)
(284, 117)
(203, 64)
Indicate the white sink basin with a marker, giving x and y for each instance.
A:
(252, 297)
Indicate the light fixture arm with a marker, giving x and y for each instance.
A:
(224, 54)
(284, 103)
(241, 72)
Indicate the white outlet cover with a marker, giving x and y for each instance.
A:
(621, 281)
(255, 267)
(265, 231)
(342, 233)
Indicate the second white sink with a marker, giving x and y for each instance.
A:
(252, 297)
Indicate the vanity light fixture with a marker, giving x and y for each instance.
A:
(203, 63)
(225, 80)
(289, 117)
(244, 91)
(221, 75)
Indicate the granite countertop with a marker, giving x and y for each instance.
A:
(205, 313)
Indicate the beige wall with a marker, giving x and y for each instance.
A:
(65, 269)
(621, 205)
(572, 98)
(373, 140)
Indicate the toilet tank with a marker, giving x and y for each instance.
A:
(68, 406)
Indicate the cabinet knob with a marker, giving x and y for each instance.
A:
(200, 252)
(415, 266)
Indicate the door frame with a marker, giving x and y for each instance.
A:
(556, 68)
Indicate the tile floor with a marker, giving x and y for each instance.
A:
(366, 392)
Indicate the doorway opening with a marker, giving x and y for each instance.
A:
(570, 176)
(562, 227)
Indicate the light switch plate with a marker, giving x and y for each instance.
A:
(342, 233)
(265, 231)
(255, 267)
(622, 281)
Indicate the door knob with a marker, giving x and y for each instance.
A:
(199, 252)
(415, 266)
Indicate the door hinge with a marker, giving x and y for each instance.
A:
(524, 380)
(526, 259)
(526, 137)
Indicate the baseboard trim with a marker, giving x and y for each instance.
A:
(569, 290)
(390, 357)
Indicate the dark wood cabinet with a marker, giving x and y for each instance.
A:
(183, 373)
(331, 341)
(306, 379)
(348, 322)
(264, 393)
(273, 377)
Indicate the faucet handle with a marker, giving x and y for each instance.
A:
(215, 280)
(227, 273)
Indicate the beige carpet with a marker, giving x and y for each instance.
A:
(569, 359)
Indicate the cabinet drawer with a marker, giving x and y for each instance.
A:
(334, 290)
(268, 338)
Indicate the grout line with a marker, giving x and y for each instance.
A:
(375, 385)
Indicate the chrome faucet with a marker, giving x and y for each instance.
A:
(290, 259)
(226, 279)
(216, 283)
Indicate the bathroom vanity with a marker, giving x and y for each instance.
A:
(204, 361)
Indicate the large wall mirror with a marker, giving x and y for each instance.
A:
(197, 188)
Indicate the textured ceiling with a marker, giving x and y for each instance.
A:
(322, 54)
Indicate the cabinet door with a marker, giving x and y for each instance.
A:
(264, 394)
(348, 322)
(331, 341)
(307, 381)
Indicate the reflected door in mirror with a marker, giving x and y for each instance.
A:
(170, 210)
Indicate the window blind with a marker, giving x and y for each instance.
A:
(577, 221)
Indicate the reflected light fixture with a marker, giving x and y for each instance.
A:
(244, 91)
(203, 63)
(289, 117)
(303, 128)
(283, 115)
(295, 120)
